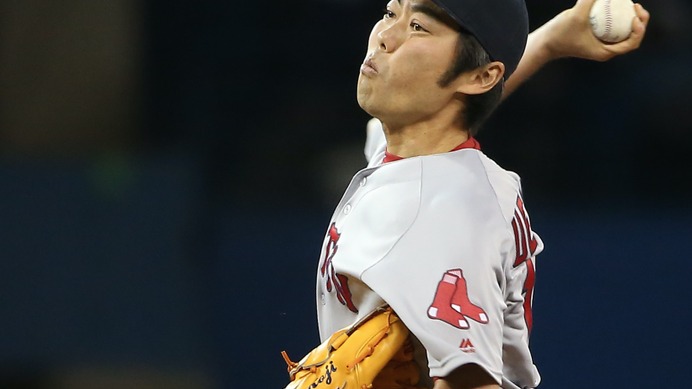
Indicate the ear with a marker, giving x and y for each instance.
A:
(481, 80)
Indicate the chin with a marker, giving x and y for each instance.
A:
(362, 99)
(365, 98)
(373, 98)
(367, 106)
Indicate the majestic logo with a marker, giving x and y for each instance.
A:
(466, 346)
(336, 281)
(451, 303)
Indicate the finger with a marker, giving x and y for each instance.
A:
(631, 43)
(635, 39)
(642, 13)
(638, 28)
(639, 24)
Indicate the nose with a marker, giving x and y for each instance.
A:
(388, 39)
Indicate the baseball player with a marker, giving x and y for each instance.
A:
(432, 226)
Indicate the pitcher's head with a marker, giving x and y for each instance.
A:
(424, 59)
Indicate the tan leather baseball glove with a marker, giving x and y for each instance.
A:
(374, 353)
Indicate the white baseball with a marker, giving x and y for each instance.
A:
(611, 20)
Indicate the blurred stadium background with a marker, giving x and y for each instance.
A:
(167, 169)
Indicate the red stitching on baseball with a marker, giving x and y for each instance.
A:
(608, 18)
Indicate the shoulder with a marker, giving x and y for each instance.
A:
(462, 191)
(465, 182)
(468, 180)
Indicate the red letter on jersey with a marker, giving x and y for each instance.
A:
(523, 236)
(526, 244)
(528, 293)
(336, 281)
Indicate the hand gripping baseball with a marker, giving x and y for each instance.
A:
(569, 34)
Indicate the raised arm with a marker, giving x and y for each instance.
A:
(569, 35)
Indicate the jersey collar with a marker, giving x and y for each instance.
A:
(470, 143)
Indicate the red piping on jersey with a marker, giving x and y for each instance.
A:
(470, 143)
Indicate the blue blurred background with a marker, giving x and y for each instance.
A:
(168, 168)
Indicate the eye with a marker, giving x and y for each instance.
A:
(417, 27)
(388, 14)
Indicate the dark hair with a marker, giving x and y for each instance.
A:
(471, 55)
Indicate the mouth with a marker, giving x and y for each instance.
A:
(368, 68)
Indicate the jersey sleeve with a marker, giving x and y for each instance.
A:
(449, 295)
(443, 239)
(445, 276)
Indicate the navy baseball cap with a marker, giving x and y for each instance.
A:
(501, 26)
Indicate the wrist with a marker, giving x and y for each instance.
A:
(548, 41)
(542, 50)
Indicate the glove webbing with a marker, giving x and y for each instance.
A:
(369, 349)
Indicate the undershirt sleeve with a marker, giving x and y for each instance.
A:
(375, 141)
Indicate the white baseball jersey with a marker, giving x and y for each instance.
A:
(445, 240)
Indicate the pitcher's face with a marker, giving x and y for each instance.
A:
(409, 50)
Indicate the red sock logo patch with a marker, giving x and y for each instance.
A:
(451, 303)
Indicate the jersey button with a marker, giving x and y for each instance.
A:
(363, 181)
(347, 209)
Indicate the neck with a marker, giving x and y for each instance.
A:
(434, 135)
